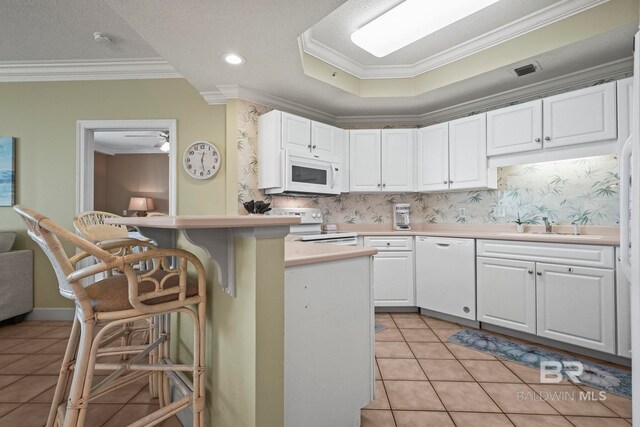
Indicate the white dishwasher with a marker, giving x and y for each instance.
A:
(446, 275)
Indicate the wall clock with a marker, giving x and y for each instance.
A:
(202, 160)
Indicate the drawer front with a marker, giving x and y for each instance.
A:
(554, 253)
(389, 243)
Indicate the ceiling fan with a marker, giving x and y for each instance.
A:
(163, 144)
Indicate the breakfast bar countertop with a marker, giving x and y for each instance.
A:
(206, 221)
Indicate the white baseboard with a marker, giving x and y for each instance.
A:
(51, 314)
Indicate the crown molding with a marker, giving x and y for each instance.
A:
(613, 70)
(610, 71)
(519, 27)
(117, 69)
(226, 92)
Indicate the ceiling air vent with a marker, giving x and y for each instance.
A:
(526, 69)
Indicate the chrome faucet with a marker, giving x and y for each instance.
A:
(547, 225)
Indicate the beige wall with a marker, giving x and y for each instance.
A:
(43, 116)
(131, 175)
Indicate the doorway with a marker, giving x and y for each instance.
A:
(124, 137)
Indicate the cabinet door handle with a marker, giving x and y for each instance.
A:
(445, 182)
(314, 147)
(539, 273)
(530, 272)
(547, 138)
(378, 185)
(384, 185)
(388, 244)
(570, 270)
(450, 182)
(538, 140)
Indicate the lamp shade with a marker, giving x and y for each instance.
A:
(141, 204)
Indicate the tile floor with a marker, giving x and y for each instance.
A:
(422, 381)
(30, 358)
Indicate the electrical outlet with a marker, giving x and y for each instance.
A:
(499, 212)
(462, 212)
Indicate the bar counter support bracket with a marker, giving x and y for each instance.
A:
(219, 243)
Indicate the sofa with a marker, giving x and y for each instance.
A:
(16, 279)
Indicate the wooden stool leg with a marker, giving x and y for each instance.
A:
(82, 368)
(59, 395)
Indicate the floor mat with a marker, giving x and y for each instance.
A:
(598, 375)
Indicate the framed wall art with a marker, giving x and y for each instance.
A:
(7, 170)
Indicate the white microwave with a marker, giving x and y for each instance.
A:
(304, 176)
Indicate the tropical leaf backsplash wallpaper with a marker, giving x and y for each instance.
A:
(582, 190)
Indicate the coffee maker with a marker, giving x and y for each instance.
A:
(401, 220)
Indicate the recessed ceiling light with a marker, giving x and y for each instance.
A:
(233, 58)
(410, 21)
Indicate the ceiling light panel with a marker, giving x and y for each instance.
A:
(410, 21)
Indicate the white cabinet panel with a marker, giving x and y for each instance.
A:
(623, 311)
(576, 305)
(364, 160)
(515, 129)
(433, 158)
(507, 293)
(326, 141)
(389, 243)
(334, 336)
(393, 279)
(581, 116)
(296, 132)
(468, 153)
(573, 254)
(625, 96)
(397, 160)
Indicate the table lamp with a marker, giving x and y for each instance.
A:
(141, 205)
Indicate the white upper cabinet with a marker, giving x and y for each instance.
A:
(453, 156)
(433, 158)
(397, 160)
(381, 160)
(364, 160)
(624, 100)
(324, 140)
(296, 132)
(468, 153)
(515, 129)
(581, 116)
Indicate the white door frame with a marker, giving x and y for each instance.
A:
(85, 152)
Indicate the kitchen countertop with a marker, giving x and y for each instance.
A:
(301, 253)
(608, 236)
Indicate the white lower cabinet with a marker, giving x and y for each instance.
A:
(559, 291)
(507, 293)
(393, 279)
(576, 305)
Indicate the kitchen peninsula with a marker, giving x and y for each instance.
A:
(293, 354)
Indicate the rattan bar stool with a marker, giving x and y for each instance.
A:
(103, 307)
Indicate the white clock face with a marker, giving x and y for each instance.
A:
(202, 160)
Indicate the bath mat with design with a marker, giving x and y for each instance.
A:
(611, 379)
